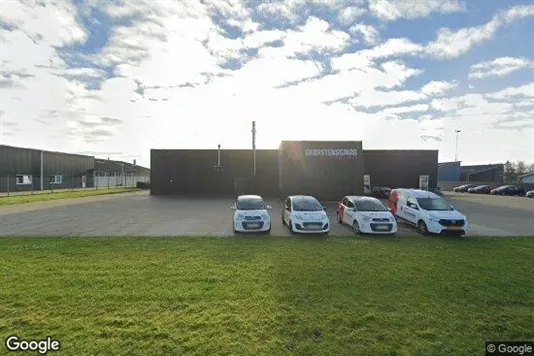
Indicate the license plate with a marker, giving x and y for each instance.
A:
(315, 226)
(382, 227)
(455, 228)
(253, 226)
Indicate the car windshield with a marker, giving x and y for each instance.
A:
(480, 186)
(300, 204)
(436, 204)
(250, 204)
(369, 205)
(504, 187)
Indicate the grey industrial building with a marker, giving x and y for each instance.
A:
(24, 169)
(327, 170)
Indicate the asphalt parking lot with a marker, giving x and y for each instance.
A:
(139, 214)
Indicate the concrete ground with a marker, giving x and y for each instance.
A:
(140, 214)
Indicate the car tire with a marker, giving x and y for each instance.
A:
(339, 219)
(290, 227)
(423, 229)
(356, 228)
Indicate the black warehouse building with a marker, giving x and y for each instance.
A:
(327, 170)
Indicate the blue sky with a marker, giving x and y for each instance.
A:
(116, 78)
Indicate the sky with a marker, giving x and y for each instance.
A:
(117, 78)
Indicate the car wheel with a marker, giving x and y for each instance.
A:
(423, 229)
(339, 219)
(356, 227)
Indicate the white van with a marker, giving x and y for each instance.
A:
(426, 210)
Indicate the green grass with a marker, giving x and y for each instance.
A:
(268, 295)
(31, 198)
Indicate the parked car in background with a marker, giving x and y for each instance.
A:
(380, 192)
(428, 211)
(305, 214)
(366, 215)
(480, 189)
(463, 188)
(437, 191)
(530, 194)
(251, 214)
(508, 190)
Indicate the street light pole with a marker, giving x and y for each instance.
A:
(456, 154)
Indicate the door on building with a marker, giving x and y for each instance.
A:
(423, 182)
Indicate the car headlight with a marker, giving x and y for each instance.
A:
(240, 216)
(433, 218)
(366, 218)
(297, 216)
(265, 216)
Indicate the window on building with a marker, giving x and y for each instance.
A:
(56, 179)
(23, 179)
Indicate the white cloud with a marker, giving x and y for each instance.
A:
(379, 98)
(438, 87)
(370, 34)
(499, 67)
(390, 10)
(348, 15)
(406, 109)
(522, 91)
(452, 43)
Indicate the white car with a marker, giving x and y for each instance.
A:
(428, 211)
(251, 214)
(366, 215)
(304, 214)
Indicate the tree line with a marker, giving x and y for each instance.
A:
(514, 170)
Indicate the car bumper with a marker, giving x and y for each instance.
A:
(437, 228)
(383, 228)
(244, 226)
(305, 227)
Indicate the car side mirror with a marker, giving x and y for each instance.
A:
(452, 207)
(389, 209)
(232, 207)
(324, 207)
(415, 207)
(268, 207)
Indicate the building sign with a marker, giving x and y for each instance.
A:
(367, 182)
(423, 182)
(332, 152)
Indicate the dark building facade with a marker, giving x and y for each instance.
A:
(483, 173)
(322, 169)
(401, 168)
(327, 170)
(20, 169)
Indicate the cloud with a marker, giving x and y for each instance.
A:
(379, 98)
(452, 43)
(369, 33)
(348, 15)
(523, 91)
(499, 67)
(406, 109)
(390, 10)
(438, 87)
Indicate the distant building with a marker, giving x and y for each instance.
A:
(482, 173)
(527, 178)
(449, 171)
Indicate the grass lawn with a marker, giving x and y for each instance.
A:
(268, 295)
(31, 198)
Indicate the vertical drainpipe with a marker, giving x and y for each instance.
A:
(218, 155)
(254, 146)
(42, 171)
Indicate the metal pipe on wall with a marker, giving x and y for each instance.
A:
(254, 145)
(218, 155)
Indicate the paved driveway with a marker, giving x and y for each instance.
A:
(140, 214)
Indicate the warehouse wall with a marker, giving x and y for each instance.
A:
(333, 170)
(191, 172)
(23, 161)
(449, 172)
(401, 168)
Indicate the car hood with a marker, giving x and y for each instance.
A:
(311, 215)
(376, 214)
(449, 214)
(251, 212)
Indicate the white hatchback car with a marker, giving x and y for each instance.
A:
(366, 215)
(304, 214)
(251, 214)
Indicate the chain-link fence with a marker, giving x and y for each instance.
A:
(27, 184)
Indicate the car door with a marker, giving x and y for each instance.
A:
(287, 210)
(411, 210)
(349, 212)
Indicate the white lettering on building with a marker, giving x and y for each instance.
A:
(330, 152)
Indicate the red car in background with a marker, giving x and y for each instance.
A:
(481, 189)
